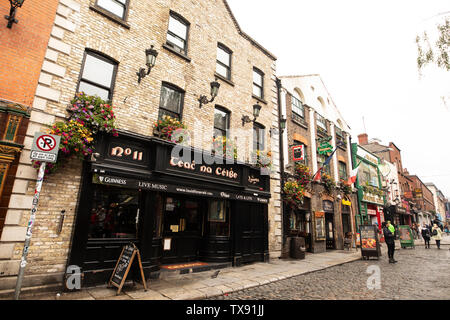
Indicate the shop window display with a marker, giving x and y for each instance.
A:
(114, 213)
(218, 217)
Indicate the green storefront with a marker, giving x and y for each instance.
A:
(371, 197)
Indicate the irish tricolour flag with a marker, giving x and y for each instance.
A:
(353, 175)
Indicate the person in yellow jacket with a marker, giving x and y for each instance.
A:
(436, 235)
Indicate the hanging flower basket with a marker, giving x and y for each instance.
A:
(224, 147)
(88, 115)
(328, 183)
(262, 159)
(345, 187)
(293, 194)
(170, 129)
(303, 175)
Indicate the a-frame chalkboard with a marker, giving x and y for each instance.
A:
(123, 266)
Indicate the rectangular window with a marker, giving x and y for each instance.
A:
(321, 123)
(218, 218)
(97, 76)
(114, 213)
(116, 7)
(221, 122)
(342, 170)
(305, 153)
(177, 33)
(258, 83)
(171, 102)
(258, 137)
(297, 107)
(223, 63)
(320, 161)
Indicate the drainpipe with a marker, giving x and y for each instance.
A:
(280, 145)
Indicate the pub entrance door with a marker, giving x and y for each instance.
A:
(329, 226)
(182, 229)
(252, 225)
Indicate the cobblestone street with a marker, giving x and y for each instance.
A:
(419, 274)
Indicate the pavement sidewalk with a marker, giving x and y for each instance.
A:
(196, 286)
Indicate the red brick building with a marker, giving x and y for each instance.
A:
(22, 51)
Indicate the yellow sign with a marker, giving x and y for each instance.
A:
(346, 203)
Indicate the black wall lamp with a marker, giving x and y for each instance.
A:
(150, 56)
(12, 12)
(256, 110)
(214, 91)
(282, 127)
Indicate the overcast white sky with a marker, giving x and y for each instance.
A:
(365, 52)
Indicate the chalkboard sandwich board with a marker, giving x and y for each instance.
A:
(370, 246)
(123, 266)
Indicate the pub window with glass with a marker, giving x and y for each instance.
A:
(171, 102)
(221, 122)
(177, 33)
(97, 76)
(297, 153)
(368, 175)
(320, 161)
(116, 7)
(321, 123)
(297, 108)
(342, 166)
(258, 137)
(223, 62)
(114, 213)
(258, 83)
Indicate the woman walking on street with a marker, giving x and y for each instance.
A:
(437, 235)
(390, 241)
(426, 234)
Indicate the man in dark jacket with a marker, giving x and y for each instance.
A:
(389, 238)
(426, 235)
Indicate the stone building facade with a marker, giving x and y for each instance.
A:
(311, 115)
(120, 37)
(439, 200)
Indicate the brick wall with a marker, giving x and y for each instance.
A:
(22, 49)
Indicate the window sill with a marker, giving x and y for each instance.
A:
(259, 99)
(300, 123)
(231, 83)
(165, 46)
(110, 16)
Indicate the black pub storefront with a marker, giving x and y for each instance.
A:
(176, 204)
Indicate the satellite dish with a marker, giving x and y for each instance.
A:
(384, 169)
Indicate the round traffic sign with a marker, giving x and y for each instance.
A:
(46, 143)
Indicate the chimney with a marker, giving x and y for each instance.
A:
(363, 139)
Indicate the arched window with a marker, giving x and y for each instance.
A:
(221, 121)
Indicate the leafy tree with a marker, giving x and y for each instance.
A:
(437, 53)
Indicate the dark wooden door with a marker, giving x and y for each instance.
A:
(183, 225)
(252, 222)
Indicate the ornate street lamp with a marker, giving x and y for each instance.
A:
(12, 12)
(256, 111)
(214, 91)
(150, 58)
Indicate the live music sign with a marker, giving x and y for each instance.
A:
(45, 147)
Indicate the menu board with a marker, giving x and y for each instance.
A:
(406, 236)
(320, 225)
(369, 239)
(123, 267)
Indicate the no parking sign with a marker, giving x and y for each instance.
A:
(45, 147)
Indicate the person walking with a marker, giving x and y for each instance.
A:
(389, 238)
(436, 233)
(426, 234)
